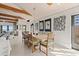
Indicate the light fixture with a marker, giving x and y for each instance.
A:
(49, 4)
(28, 20)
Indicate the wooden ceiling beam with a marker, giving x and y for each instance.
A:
(11, 21)
(7, 15)
(8, 19)
(14, 9)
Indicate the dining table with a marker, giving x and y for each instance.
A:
(36, 41)
(40, 38)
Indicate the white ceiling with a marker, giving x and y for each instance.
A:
(41, 9)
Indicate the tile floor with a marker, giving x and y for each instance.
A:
(23, 50)
(59, 51)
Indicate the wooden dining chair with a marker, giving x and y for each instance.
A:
(34, 42)
(26, 37)
(45, 42)
(29, 37)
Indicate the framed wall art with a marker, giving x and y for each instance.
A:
(16, 26)
(32, 28)
(36, 26)
(41, 25)
(59, 23)
(48, 25)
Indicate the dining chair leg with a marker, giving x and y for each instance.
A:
(32, 48)
(53, 45)
(46, 51)
(40, 47)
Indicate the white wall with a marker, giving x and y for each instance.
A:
(63, 37)
(20, 23)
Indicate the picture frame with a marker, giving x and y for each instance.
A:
(41, 25)
(16, 26)
(59, 23)
(32, 28)
(48, 24)
(36, 26)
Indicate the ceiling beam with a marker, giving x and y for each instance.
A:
(7, 15)
(2, 18)
(8, 21)
(14, 9)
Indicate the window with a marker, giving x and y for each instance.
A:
(76, 20)
(7, 28)
(10, 28)
(4, 28)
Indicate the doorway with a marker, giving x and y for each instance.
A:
(75, 31)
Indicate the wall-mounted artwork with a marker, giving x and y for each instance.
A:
(48, 25)
(59, 23)
(36, 26)
(41, 25)
(32, 28)
(16, 26)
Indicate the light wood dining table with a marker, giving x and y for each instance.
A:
(40, 38)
